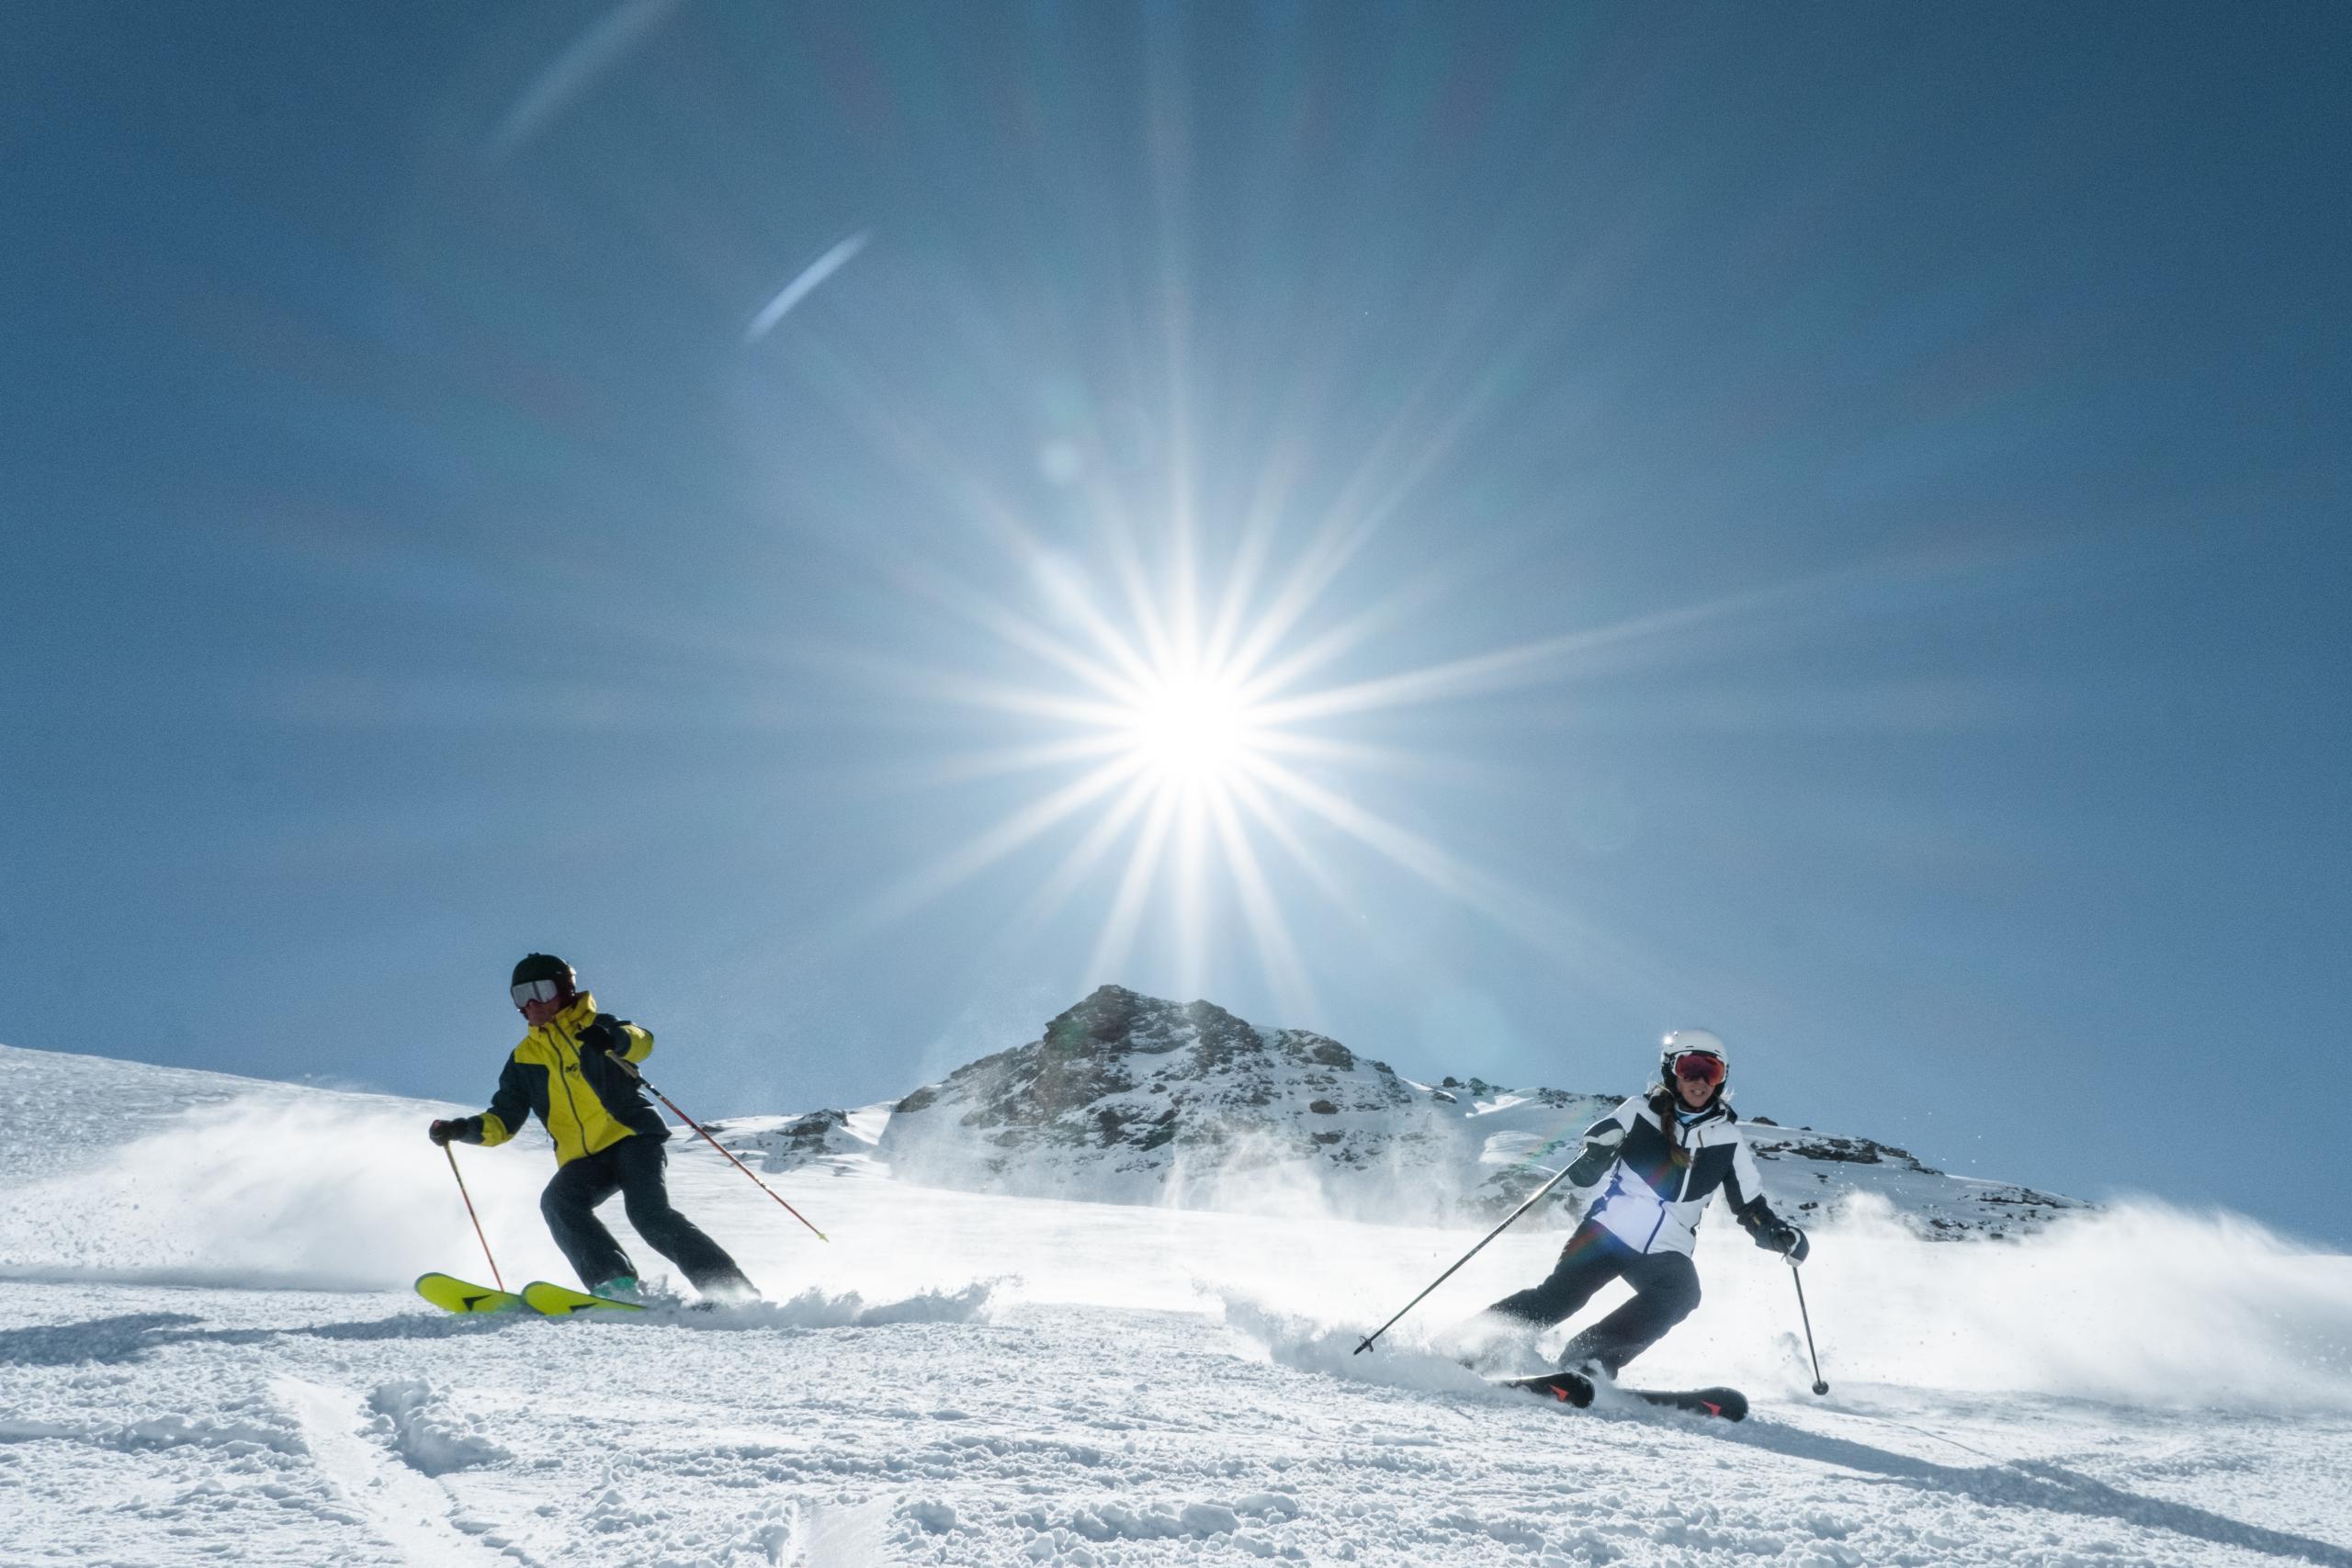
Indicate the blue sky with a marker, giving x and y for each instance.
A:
(1824, 524)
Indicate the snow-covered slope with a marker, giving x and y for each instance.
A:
(998, 1381)
(1129, 1099)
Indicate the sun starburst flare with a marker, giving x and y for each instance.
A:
(1190, 739)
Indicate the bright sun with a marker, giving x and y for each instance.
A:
(1196, 730)
(1190, 729)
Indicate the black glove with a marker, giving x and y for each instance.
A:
(1772, 1232)
(1779, 1235)
(605, 1034)
(456, 1129)
(1592, 1163)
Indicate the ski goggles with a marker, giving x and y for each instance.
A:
(537, 991)
(1697, 1066)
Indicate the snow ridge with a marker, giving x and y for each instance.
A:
(1134, 1099)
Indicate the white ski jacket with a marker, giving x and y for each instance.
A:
(1648, 1199)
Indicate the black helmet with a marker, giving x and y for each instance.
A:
(545, 966)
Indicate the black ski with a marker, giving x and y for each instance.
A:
(1573, 1388)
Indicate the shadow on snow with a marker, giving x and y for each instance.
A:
(2036, 1483)
(131, 1336)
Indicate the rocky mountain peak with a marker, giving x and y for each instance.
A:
(1127, 1097)
(1114, 1022)
(1139, 1093)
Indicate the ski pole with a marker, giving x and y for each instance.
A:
(472, 1215)
(1797, 1275)
(1466, 1257)
(630, 1068)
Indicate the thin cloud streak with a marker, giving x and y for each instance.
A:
(582, 62)
(800, 287)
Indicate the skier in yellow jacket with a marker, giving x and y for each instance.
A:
(569, 1071)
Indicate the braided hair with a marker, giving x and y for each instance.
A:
(1667, 1106)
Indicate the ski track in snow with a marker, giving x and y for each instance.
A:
(963, 1380)
(151, 1424)
(403, 1507)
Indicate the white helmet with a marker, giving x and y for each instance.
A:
(1693, 1042)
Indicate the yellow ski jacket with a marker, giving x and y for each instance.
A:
(586, 1100)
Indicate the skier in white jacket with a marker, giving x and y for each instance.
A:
(1657, 1161)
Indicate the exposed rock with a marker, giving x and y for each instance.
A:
(1126, 1098)
(1129, 1096)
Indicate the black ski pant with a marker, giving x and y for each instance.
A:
(631, 1167)
(1666, 1291)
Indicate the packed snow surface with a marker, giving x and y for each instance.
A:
(209, 1352)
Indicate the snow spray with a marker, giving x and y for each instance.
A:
(326, 1192)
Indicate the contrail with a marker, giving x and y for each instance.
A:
(573, 71)
(796, 290)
